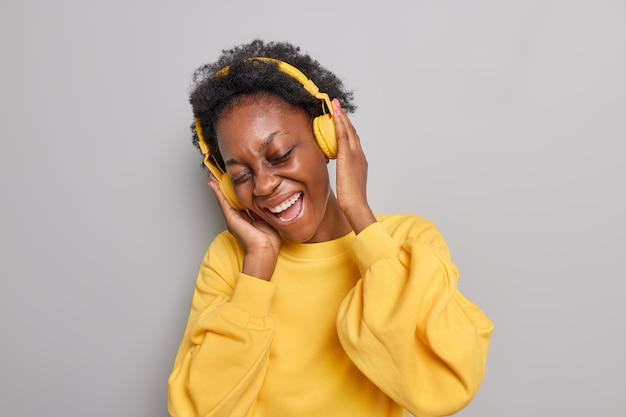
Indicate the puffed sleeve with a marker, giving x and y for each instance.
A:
(407, 327)
(223, 357)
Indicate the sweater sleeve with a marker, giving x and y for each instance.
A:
(406, 326)
(223, 357)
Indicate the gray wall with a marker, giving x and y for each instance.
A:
(499, 121)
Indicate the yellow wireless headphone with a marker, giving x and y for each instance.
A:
(323, 129)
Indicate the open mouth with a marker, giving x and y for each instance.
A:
(289, 209)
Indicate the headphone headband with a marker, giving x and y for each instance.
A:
(293, 72)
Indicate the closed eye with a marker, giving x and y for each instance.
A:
(280, 159)
(240, 178)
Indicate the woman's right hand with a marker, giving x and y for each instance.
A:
(260, 240)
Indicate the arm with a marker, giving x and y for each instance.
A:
(222, 359)
(408, 328)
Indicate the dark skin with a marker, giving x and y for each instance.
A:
(281, 176)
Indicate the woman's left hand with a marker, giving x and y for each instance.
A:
(351, 173)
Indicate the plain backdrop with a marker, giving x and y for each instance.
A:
(501, 121)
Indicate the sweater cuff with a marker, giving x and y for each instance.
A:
(254, 295)
(372, 244)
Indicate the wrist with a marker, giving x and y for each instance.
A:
(360, 218)
(259, 264)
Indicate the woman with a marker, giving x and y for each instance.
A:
(310, 305)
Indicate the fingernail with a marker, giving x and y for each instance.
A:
(337, 106)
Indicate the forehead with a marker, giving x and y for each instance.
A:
(252, 121)
(257, 101)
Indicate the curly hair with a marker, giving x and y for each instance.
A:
(213, 93)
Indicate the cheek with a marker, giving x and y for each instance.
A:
(316, 176)
(244, 193)
(319, 181)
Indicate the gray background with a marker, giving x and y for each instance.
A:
(503, 122)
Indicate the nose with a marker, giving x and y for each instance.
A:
(265, 182)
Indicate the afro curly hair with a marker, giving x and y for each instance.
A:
(213, 92)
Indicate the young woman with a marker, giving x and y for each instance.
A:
(310, 305)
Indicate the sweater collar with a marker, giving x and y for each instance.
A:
(319, 250)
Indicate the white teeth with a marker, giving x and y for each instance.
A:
(284, 206)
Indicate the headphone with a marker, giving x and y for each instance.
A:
(323, 129)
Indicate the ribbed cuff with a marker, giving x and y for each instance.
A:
(372, 244)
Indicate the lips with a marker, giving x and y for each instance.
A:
(288, 209)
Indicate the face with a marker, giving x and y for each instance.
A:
(278, 170)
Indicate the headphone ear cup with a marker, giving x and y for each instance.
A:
(325, 135)
(228, 189)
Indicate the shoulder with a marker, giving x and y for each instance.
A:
(225, 239)
(225, 251)
(405, 224)
(403, 227)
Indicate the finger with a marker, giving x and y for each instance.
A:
(346, 132)
(343, 116)
(340, 127)
(219, 195)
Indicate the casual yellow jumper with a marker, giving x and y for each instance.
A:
(366, 325)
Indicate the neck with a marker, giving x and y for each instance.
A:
(334, 225)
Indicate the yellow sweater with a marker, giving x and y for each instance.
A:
(367, 325)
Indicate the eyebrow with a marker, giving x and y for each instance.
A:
(264, 145)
